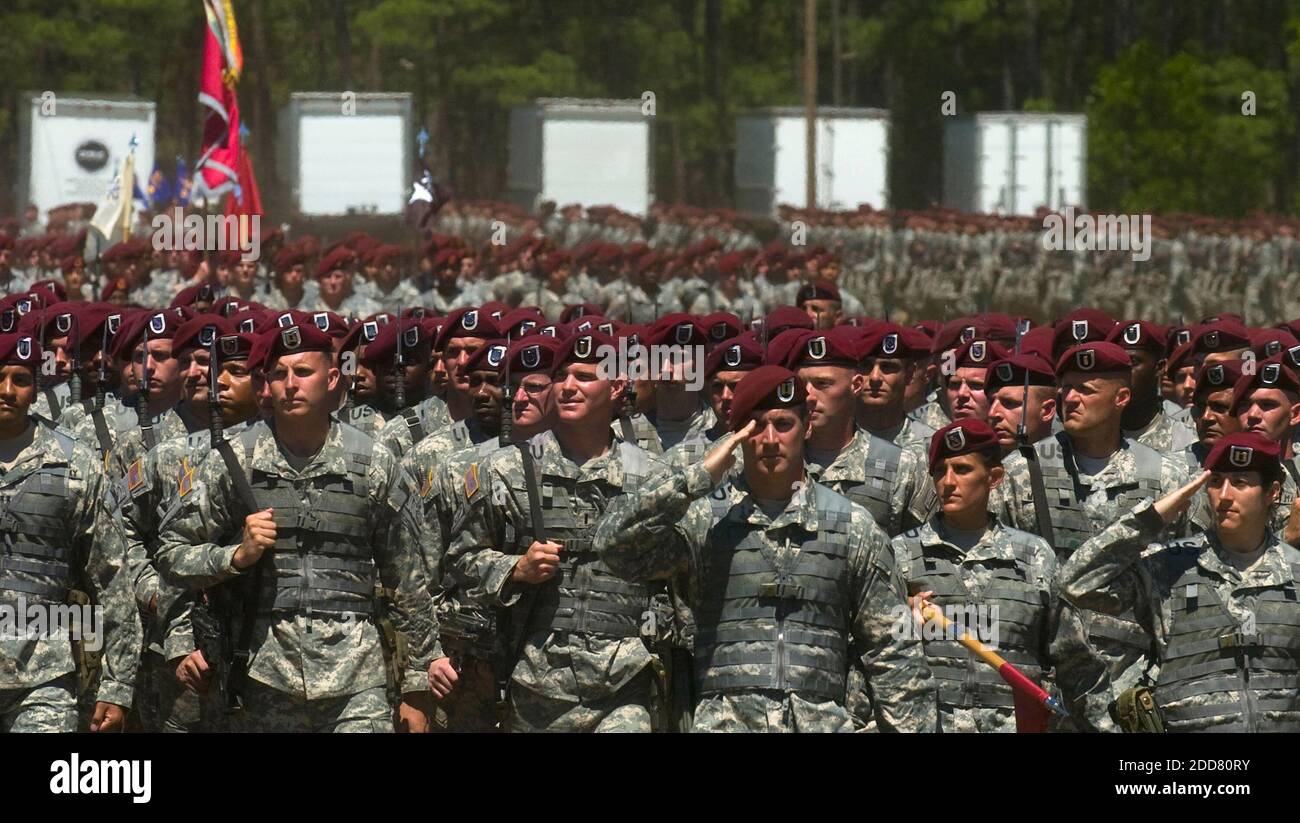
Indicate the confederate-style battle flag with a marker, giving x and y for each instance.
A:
(217, 169)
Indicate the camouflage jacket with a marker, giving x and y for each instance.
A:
(51, 401)
(669, 433)
(931, 414)
(911, 432)
(97, 563)
(356, 305)
(1164, 434)
(403, 296)
(693, 449)
(311, 656)
(395, 434)
(643, 433)
(908, 489)
(364, 418)
(493, 519)
(1060, 651)
(667, 530)
(1129, 566)
(80, 423)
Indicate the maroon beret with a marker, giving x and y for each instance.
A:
(288, 257)
(1269, 374)
(54, 287)
(741, 353)
(1138, 334)
(785, 317)
(534, 354)
(295, 339)
(721, 325)
(583, 348)
(817, 290)
(1039, 341)
(1095, 320)
(341, 258)
(781, 347)
(20, 350)
(962, 437)
(1244, 452)
(978, 354)
(576, 310)
(953, 333)
(491, 355)
(837, 347)
(766, 387)
(886, 339)
(1176, 336)
(188, 296)
(160, 325)
(200, 331)
(380, 351)
(236, 346)
(1218, 376)
(1098, 358)
(518, 322)
(1268, 343)
(678, 329)
(1012, 369)
(1077, 331)
(467, 322)
(1225, 335)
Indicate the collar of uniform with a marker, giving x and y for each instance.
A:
(607, 467)
(801, 510)
(44, 448)
(1158, 422)
(1272, 569)
(851, 462)
(990, 547)
(1120, 469)
(267, 456)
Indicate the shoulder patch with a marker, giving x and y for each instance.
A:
(471, 480)
(185, 482)
(135, 475)
(428, 483)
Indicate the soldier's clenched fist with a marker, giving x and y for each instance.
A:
(259, 535)
(539, 563)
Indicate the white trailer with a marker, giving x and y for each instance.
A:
(347, 152)
(1015, 163)
(70, 146)
(590, 152)
(852, 159)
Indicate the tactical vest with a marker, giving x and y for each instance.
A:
(759, 626)
(873, 492)
(35, 530)
(966, 682)
(1072, 527)
(318, 543)
(413, 425)
(460, 618)
(1209, 657)
(588, 597)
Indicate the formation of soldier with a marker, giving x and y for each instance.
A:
(371, 487)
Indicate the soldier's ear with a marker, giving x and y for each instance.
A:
(332, 379)
(1048, 410)
(996, 474)
(1122, 396)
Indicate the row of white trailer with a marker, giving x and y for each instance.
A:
(350, 153)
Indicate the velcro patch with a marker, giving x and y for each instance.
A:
(185, 482)
(134, 475)
(428, 484)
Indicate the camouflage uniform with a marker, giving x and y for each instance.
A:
(1164, 434)
(273, 298)
(469, 632)
(165, 473)
(887, 481)
(80, 420)
(51, 401)
(633, 304)
(583, 666)
(364, 418)
(1014, 572)
(60, 534)
(403, 296)
(644, 434)
(467, 294)
(348, 515)
(411, 425)
(354, 305)
(911, 432)
(1083, 506)
(669, 433)
(119, 425)
(1225, 640)
(931, 415)
(693, 449)
(748, 675)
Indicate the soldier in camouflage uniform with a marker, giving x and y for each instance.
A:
(1224, 616)
(419, 413)
(93, 323)
(290, 288)
(1144, 417)
(177, 672)
(1091, 473)
(681, 411)
(789, 582)
(966, 560)
(1020, 389)
(390, 289)
(472, 635)
(887, 360)
(333, 514)
(582, 663)
(724, 368)
(59, 534)
(887, 480)
(1267, 403)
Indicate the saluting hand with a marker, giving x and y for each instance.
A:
(722, 457)
(1174, 503)
(259, 535)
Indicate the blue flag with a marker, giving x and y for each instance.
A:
(183, 181)
(159, 188)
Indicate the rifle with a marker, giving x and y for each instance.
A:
(74, 379)
(1042, 514)
(144, 416)
(539, 534)
(399, 366)
(507, 403)
(239, 655)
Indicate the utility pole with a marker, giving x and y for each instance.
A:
(810, 101)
